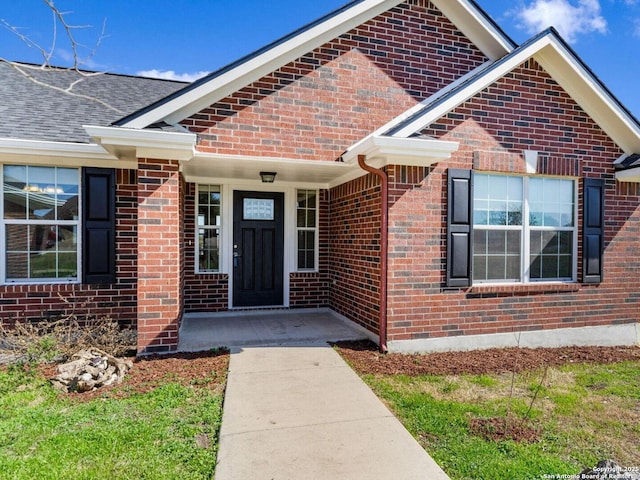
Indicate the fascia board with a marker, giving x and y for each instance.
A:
(590, 95)
(629, 175)
(476, 27)
(145, 143)
(392, 148)
(59, 153)
(462, 95)
(219, 87)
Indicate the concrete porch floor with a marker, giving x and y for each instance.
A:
(200, 331)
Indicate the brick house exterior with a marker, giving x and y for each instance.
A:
(511, 176)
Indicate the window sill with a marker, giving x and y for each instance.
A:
(529, 288)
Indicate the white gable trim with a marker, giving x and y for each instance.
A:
(466, 16)
(571, 75)
(463, 14)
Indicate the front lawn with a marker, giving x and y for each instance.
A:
(161, 423)
(496, 425)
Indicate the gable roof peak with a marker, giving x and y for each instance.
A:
(561, 62)
(465, 14)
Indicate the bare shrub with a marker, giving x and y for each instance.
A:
(58, 339)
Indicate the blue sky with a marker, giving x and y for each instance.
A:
(186, 38)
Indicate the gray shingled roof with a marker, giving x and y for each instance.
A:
(35, 112)
(632, 161)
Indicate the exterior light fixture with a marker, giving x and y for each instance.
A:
(268, 177)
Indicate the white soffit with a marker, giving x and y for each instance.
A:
(631, 175)
(216, 167)
(472, 22)
(132, 144)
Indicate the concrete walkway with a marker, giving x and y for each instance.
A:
(299, 412)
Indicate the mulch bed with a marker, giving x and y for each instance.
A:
(199, 370)
(366, 359)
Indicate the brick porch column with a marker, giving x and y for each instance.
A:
(160, 256)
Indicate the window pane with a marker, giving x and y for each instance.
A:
(306, 219)
(497, 200)
(311, 218)
(17, 238)
(306, 249)
(42, 251)
(551, 255)
(497, 242)
(67, 207)
(513, 242)
(15, 195)
(479, 267)
(496, 255)
(18, 265)
(552, 202)
(209, 249)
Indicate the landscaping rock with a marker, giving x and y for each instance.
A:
(89, 370)
(610, 470)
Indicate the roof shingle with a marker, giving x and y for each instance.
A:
(38, 108)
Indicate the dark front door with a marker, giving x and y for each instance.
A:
(258, 248)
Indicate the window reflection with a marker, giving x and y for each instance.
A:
(41, 222)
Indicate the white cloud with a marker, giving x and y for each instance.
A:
(569, 19)
(171, 75)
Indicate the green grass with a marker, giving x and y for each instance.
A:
(145, 436)
(586, 413)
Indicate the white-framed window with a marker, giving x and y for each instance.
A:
(40, 223)
(306, 229)
(524, 229)
(209, 225)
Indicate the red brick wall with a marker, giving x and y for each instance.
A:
(311, 289)
(354, 251)
(37, 301)
(160, 254)
(320, 104)
(203, 292)
(524, 110)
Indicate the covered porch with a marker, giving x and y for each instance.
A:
(259, 328)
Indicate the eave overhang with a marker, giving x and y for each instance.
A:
(381, 151)
(216, 168)
(58, 153)
(130, 144)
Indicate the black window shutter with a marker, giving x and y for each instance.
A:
(99, 226)
(593, 230)
(459, 228)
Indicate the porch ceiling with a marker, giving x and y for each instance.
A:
(242, 168)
